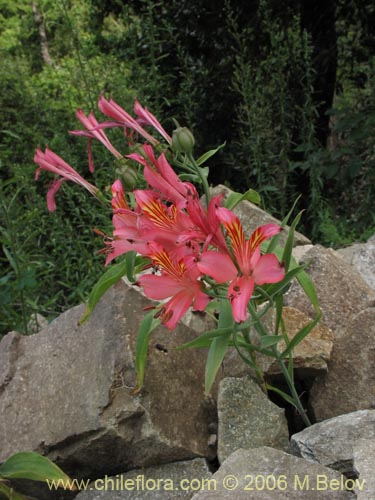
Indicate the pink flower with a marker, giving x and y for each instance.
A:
(206, 221)
(147, 118)
(123, 119)
(250, 267)
(160, 175)
(126, 234)
(93, 132)
(53, 163)
(165, 225)
(178, 280)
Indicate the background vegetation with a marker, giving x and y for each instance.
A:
(290, 87)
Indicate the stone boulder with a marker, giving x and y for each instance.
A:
(67, 392)
(269, 474)
(362, 257)
(364, 465)
(310, 357)
(247, 418)
(341, 291)
(349, 384)
(332, 443)
(175, 481)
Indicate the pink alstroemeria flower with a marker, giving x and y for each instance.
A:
(123, 119)
(251, 267)
(160, 175)
(93, 132)
(164, 224)
(206, 221)
(126, 234)
(147, 118)
(178, 280)
(51, 162)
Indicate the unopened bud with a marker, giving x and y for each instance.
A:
(183, 140)
(128, 175)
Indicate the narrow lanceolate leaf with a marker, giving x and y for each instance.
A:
(202, 159)
(282, 394)
(233, 199)
(275, 239)
(219, 345)
(288, 248)
(215, 357)
(270, 340)
(147, 326)
(129, 264)
(206, 338)
(109, 278)
(30, 465)
(309, 288)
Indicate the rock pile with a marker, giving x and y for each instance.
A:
(67, 392)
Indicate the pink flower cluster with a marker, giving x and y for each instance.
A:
(183, 240)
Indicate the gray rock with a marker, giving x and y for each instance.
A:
(341, 291)
(331, 443)
(269, 474)
(310, 356)
(364, 466)
(247, 418)
(349, 384)
(67, 392)
(362, 257)
(177, 480)
(251, 216)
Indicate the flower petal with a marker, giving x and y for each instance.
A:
(239, 294)
(268, 270)
(159, 287)
(217, 265)
(174, 309)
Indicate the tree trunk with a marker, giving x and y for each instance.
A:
(318, 19)
(42, 34)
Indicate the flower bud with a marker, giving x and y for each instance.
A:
(128, 175)
(183, 140)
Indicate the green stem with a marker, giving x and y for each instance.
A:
(293, 391)
(202, 177)
(262, 332)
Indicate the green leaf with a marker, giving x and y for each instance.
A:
(215, 357)
(275, 239)
(129, 264)
(205, 339)
(233, 199)
(309, 288)
(219, 345)
(283, 394)
(147, 326)
(287, 253)
(109, 278)
(270, 340)
(30, 465)
(202, 159)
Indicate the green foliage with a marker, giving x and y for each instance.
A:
(275, 109)
(29, 465)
